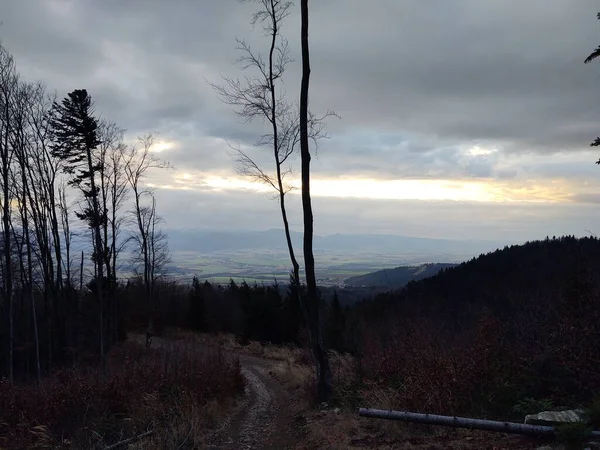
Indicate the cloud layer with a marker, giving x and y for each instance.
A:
(491, 94)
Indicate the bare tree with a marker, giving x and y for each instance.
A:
(261, 97)
(9, 83)
(151, 255)
(113, 192)
(138, 162)
(118, 192)
(43, 174)
(312, 300)
(63, 206)
(22, 145)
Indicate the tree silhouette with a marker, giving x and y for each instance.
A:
(262, 96)
(151, 246)
(312, 298)
(592, 56)
(74, 140)
(596, 53)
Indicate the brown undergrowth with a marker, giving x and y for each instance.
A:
(338, 426)
(228, 341)
(176, 392)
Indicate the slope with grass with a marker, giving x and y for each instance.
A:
(280, 410)
(479, 338)
(171, 396)
(397, 277)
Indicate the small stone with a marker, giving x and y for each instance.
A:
(336, 410)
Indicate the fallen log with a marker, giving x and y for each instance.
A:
(464, 422)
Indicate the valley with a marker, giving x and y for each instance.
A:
(261, 256)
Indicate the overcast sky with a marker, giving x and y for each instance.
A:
(459, 118)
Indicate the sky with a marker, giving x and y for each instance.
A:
(461, 119)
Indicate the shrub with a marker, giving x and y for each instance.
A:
(530, 405)
(572, 435)
(140, 387)
(593, 414)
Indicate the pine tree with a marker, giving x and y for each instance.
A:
(75, 137)
(74, 140)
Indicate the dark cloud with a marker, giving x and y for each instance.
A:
(590, 197)
(459, 220)
(417, 84)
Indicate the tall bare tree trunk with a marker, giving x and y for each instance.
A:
(80, 301)
(30, 292)
(277, 149)
(312, 300)
(6, 213)
(143, 237)
(99, 251)
(136, 164)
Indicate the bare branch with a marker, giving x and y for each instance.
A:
(246, 166)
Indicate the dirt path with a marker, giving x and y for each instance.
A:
(263, 419)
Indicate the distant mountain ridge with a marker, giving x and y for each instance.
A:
(208, 241)
(397, 277)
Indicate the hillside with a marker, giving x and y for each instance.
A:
(511, 275)
(397, 277)
(519, 323)
(262, 256)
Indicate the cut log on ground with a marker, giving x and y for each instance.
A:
(463, 422)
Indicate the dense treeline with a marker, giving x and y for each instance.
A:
(519, 323)
(252, 312)
(64, 173)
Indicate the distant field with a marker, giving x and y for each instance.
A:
(237, 280)
(263, 266)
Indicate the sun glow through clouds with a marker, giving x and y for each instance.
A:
(369, 188)
(162, 146)
(480, 151)
(402, 189)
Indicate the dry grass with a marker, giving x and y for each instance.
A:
(188, 428)
(344, 429)
(340, 427)
(227, 341)
(178, 391)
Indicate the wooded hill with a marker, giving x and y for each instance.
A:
(397, 277)
(521, 322)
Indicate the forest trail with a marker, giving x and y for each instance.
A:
(263, 418)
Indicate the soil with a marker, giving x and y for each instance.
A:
(264, 419)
